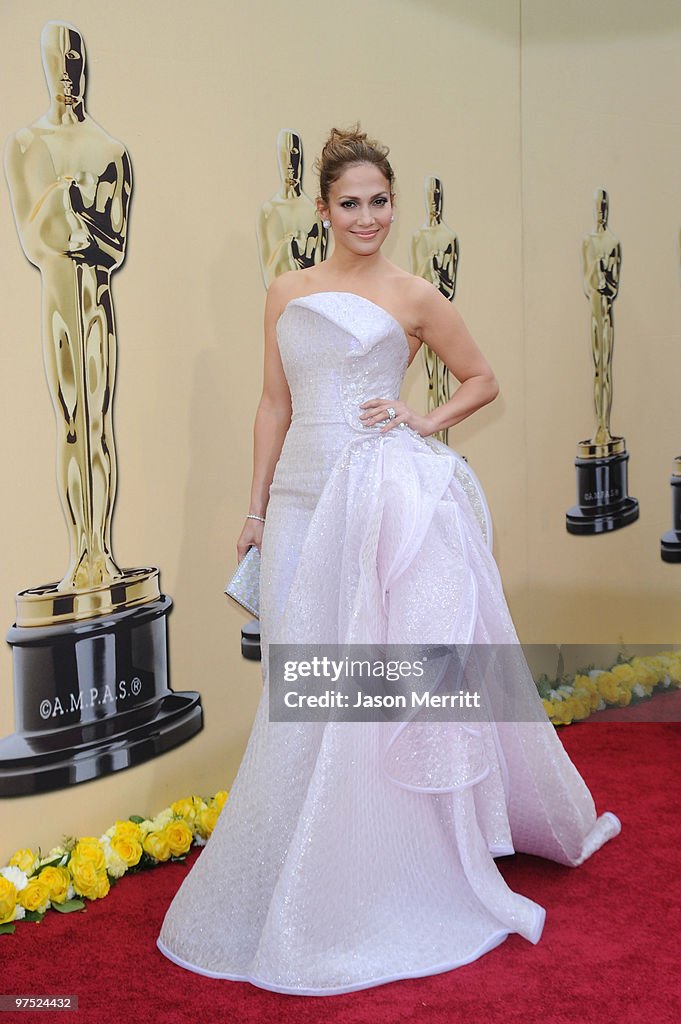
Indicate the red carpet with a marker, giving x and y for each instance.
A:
(609, 952)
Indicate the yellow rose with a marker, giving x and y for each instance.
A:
(612, 692)
(588, 697)
(27, 860)
(57, 880)
(128, 830)
(645, 675)
(207, 820)
(90, 849)
(187, 808)
(8, 900)
(624, 674)
(660, 664)
(606, 683)
(608, 690)
(179, 837)
(127, 848)
(582, 706)
(35, 895)
(549, 707)
(595, 699)
(563, 711)
(103, 885)
(624, 698)
(156, 845)
(585, 683)
(674, 662)
(220, 799)
(669, 665)
(579, 704)
(87, 880)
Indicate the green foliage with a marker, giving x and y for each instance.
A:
(69, 906)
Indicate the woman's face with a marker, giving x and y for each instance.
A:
(359, 208)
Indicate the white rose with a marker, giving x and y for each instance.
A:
(115, 866)
(57, 856)
(16, 876)
(162, 819)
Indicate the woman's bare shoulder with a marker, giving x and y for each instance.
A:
(415, 294)
(281, 291)
(402, 279)
(292, 284)
(285, 284)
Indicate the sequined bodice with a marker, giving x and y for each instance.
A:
(339, 349)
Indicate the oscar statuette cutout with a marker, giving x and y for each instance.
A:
(603, 503)
(90, 658)
(435, 257)
(290, 236)
(289, 231)
(670, 542)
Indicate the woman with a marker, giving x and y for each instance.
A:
(352, 853)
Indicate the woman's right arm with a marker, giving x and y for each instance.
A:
(272, 420)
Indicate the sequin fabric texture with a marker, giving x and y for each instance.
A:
(350, 854)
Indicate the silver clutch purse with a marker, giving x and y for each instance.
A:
(244, 586)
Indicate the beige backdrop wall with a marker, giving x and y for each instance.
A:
(601, 106)
(517, 117)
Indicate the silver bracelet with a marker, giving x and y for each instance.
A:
(252, 515)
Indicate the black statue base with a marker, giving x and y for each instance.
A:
(603, 501)
(92, 697)
(670, 543)
(250, 640)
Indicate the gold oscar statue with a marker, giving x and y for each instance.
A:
(435, 257)
(603, 502)
(90, 651)
(601, 262)
(290, 233)
(70, 183)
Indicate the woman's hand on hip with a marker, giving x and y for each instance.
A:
(376, 413)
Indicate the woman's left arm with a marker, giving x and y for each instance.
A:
(441, 327)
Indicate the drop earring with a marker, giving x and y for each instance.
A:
(392, 217)
(326, 223)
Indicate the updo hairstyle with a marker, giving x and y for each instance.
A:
(345, 147)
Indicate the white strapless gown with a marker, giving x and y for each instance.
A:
(355, 853)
